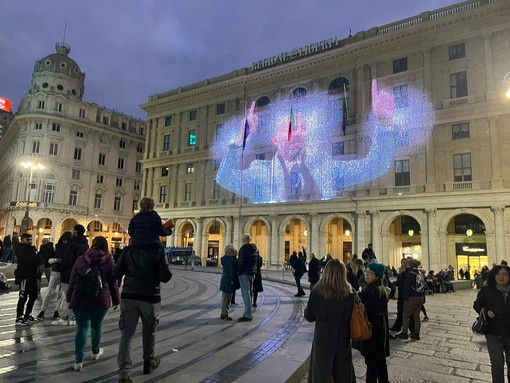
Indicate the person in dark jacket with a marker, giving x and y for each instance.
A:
(314, 271)
(228, 279)
(375, 298)
(46, 251)
(141, 298)
(26, 274)
(413, 300)
(145, 228)
(330, 307)
(54, 281)
(397, 326)
(90, 310)
(355, 274)
(297, 265)
(77, 247)
(494, 301)
(257, 282)
(7, 248)
(246, 269)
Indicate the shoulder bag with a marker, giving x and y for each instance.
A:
(481, 325)
(361, 328)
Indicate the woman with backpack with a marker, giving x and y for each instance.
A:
(92, 290)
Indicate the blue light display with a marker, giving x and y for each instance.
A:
(293, 146)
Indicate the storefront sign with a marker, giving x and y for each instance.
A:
(471, 248)
(23, 204)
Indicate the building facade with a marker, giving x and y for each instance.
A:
(90, 157)
(444, 202)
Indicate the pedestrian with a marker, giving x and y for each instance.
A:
(355, 274)
(404, 265)
(54, 281)
(330, 307)
(375, 298)
(4, 284)
(89, 302)
(28, 270)
(246, 269)
(314, 271)
(467, 274)
(257, 281)
(141, 298)
(77, 246)
(297, 266)
(7, 249)
(461, 273)
(228, 279)
(413, 293)
(193, 256)
(493, 300)
(46, 251)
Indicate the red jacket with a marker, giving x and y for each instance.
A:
(110, 287)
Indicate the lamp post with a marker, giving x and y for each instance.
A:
(32, 165)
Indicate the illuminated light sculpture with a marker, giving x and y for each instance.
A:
(271, 165)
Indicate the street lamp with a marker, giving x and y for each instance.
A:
(32, 165)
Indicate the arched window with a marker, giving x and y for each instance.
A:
(298, 92)
(337, 85)
(262, 101)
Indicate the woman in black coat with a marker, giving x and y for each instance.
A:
(330, 307)
(257, 282)
(375, 299)
(494, 300)
(314, 271)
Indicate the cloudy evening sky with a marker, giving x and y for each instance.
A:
(130, 49)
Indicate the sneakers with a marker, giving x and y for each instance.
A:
(61, 322)
(56, 315)
(78, 366)
(254, 305)
(244, 319)
(151, 365)
(21, 321)
(98, 355)
(40, 316)
(72, 321)
(226, 317)
(403, 336)
(30, 319)
(415, 336)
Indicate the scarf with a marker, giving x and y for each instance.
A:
(503, 290)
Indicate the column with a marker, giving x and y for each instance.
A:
(236, 235)
(489, 67)
(314, 234)
(197, 244)
(384, 256)
(427, 73)
(228, 230)
(322, 245)
(360, 233)
(376, 233)
(495, 153)
(432, 239)
(360, 96)
(275, 256)
(174, 186)
(499, 224)
(490, 239)
(443, 252)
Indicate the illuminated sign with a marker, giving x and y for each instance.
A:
(23, 204)
(5, 104)
(471, 248)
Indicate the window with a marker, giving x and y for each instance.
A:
(141, 131)
(162, 193)
(97, 226)
(79, 134)
(106, 120)
(77, 154)
(458, 85)
(139, 148)
(190, 168)
(137, 184)
(59, 107)
(120, 163)
(38, 125)
(166, 142)
(262, 101)
(298, 92)
(49, 193)
(100, 178)
(73, 198)
(116, 203)
(460, 131)
(462, 167)
(76, 174)
(215, 190)
(134, 207)
(219, 128)
(169, 120)
(119, 182)
(337, 149)
(456, 51)
(98, 201)
(123, 126)
(193, 115)
(122, 144)
(102, 159)
(55, 127)
(220, 108)
(400, 65)
(164, 171)
(54, 148)
(400, 94)
(402, 173)
(188, 191)
(138, 167)
(40, 104)
(35, 146)
(260, 156)
(192, 137)
(82, 113)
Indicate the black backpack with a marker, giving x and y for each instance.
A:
(89, 282)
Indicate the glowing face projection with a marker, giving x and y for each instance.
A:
(291, 150)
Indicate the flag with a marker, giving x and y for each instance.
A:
(291, 123)
(344, 115)
(246, 132)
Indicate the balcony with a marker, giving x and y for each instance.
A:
(467, 185)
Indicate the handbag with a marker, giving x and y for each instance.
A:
(481, 325)
(361, 328)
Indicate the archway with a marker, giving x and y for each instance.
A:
(404, 240)
(338, 239)
(116, 235)
(94, 229)
(259, 232)
(68, 224)
(295, 236)
(44, 226)
(215, 244)
(186, 235)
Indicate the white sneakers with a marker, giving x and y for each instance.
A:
(78, 366)
(98, 355)
(64, 322)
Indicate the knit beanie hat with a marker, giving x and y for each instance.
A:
(377, 268)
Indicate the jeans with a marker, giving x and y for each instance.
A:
(62, 305)
(7, 254)
(53, 286)
(130, 311)
(497, 346)
(246, 282)
(84, 320)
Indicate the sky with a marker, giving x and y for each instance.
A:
(131, 49)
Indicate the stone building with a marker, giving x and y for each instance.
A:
(444, 202)
(91, 157)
